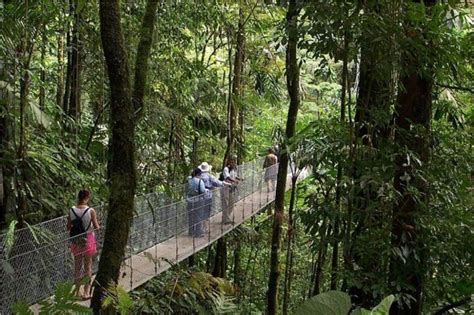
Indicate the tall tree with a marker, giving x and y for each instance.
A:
(220, 263)
(122, 151)
(122, 147)
(293, 81)
(372, 119)
(4, 104)
(143, 54)
(72, 97)
(236, 90)
(412, 138)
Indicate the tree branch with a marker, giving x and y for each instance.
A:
(448, 307)
(456, 87)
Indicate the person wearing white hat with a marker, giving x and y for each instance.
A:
(210, 182)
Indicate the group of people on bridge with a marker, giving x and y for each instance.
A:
(199, 194)
(201, 184)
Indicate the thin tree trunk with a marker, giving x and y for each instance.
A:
(74, 104)
(122, 161)
(292, 75)
(194, 152)
(234, 98)
(210, 259)
(42, 92)
(413, 123)
(323, 248)
(67, 81)
(170, 154)
(220, 262)
(337, 220)
(289, 248)
(60, 83)
(236, 92)
(143, 55)
(26, 52)
(237, 263)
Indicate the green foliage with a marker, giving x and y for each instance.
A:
(118, 299)
(331, 303)
(382, 309)
(339, 303)
(186, 293)
(64, 302)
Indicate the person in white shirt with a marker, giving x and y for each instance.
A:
(229, 174)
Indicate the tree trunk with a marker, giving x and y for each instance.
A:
(335, 245)
(6, 167)
(292, 79)
(322, 251)
(26, 53)
(42, 92)
(412, 123)
(236, 91)
(234, 98)
(4, 105)
(238, 263)
(67, 82)
(60, 83)
(122, 151)
(220, 262)
(289, 248)
(372, 120)
(143, 54)
(74, 104)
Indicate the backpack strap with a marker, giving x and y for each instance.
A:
(90, 221)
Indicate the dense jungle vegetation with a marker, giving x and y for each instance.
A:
(374, 97)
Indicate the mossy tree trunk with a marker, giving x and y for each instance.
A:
(122, 151)
(126, 106)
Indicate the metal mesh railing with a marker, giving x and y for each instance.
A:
(162, 230)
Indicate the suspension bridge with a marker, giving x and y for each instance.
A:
(35, 259)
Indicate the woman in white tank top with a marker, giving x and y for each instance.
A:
(84, 250)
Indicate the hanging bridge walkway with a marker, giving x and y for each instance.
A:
(37, 258)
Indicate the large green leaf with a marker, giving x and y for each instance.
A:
(328, 303)
(382, 309)
(384, 306)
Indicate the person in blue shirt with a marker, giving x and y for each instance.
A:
(195, 190)
(211, 183)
